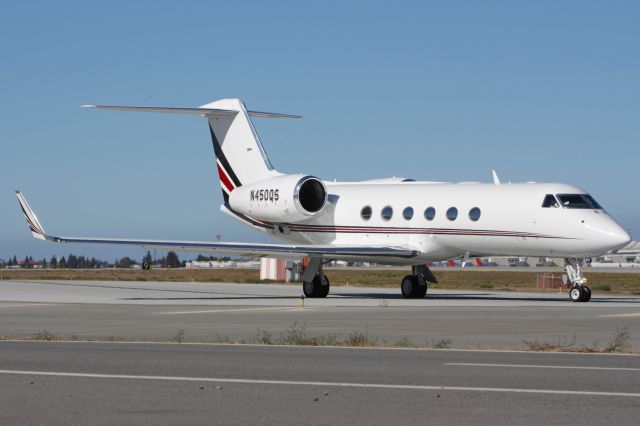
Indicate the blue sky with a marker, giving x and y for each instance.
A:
(545, 91)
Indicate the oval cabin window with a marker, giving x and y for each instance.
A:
(452, 213)
(387, 213)
(430, 213)
(365, 214)
(474, 214)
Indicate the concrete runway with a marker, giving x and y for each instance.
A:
(160, 311)
(107, 383)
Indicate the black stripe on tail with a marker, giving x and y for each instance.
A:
(223, 160)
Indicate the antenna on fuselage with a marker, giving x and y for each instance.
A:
(496, 179)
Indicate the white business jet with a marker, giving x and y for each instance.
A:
(392, 221)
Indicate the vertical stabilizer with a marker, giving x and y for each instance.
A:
(240, 157)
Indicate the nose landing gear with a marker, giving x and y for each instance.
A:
(579, 291)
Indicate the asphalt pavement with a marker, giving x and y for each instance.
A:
(160, 311)
(109, 383)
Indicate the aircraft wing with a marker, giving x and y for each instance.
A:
(292, 251)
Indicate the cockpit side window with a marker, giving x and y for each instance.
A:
(578, 201)
(594, 203)
(550, 201)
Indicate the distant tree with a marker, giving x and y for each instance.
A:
(125, 262)
(147, 258)
(54, 261)
(62, 263)
(15, 260)
(172, 260)
(44, 262)
(26, 263)
(72, 262)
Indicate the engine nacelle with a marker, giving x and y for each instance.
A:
(288, 198)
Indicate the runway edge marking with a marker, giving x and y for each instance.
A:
(563, 367)
(232, 310)
(312, 383)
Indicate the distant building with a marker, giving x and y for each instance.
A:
(29, 264)
(279, 270)
(228, 264)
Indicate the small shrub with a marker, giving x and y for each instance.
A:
(405, 342)
(262, 338)
(179, 337)
(441, 344)
(297, 335)
(562, 343)
(44, 335)
(113, 339)
(620, 341)
(361, 339)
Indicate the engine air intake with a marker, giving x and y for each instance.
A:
(310, 194)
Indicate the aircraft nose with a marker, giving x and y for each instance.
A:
(618, 237)
(608, 235)
(622, 237)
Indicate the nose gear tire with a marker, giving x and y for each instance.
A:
(575, 294)
(580, 294)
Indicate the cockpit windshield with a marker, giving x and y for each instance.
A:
(578, 201)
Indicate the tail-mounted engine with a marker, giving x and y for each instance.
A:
(288, 198)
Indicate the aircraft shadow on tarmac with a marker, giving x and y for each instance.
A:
(247, 297)
(492, 297)
(387, 296)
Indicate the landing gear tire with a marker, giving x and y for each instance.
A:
(576, 294)
(411, 288)
(580, 294)
(316, 288)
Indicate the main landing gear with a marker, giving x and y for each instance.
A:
(414, 286)
(579, 291)
(314, 281)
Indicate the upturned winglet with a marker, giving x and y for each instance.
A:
(32, 220)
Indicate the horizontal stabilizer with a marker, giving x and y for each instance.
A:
(193, 111)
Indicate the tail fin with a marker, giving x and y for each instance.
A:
(241, 159)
